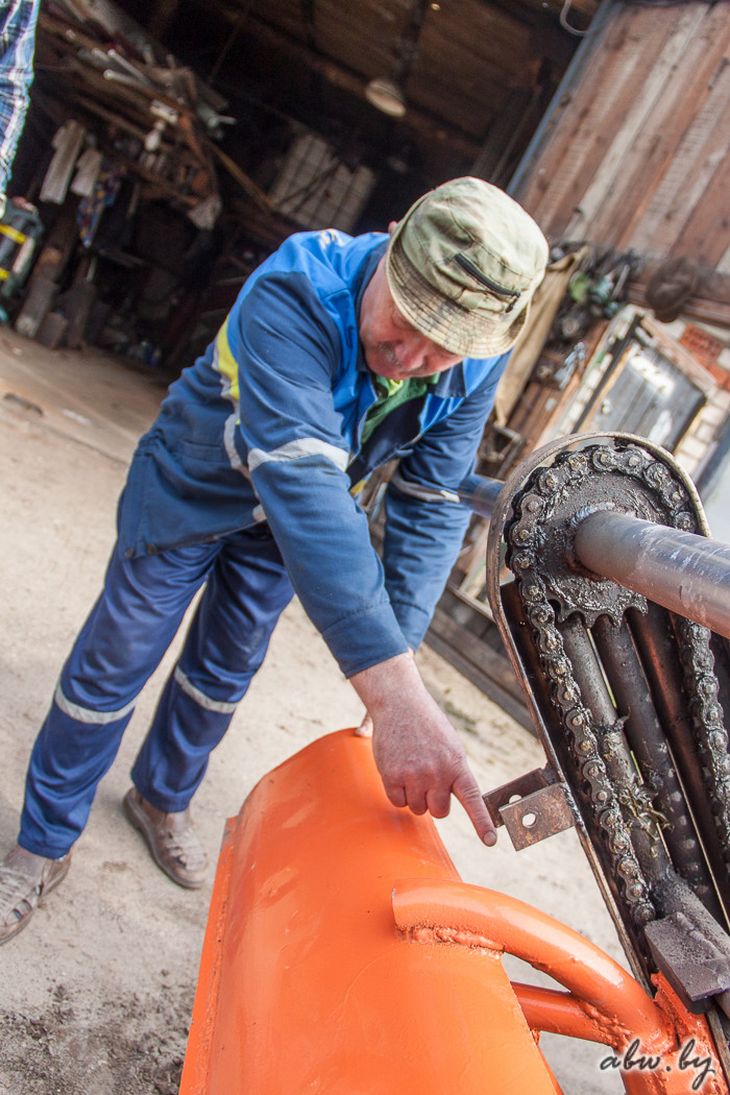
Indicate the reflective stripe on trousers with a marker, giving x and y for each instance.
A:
(120, 645)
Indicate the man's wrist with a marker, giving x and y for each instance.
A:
(387, 682)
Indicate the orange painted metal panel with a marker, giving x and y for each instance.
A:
(344, 954)
(306, 984)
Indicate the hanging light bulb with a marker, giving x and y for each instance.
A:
(386, 95)
(386, 92)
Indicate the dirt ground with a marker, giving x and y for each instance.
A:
(97, 992)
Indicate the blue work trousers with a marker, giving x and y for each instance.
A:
(120, 645)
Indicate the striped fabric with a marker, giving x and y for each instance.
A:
(17, 41)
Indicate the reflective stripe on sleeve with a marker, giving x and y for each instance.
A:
(229, 442)
(296, 450)
(86, 714)
(200, 698)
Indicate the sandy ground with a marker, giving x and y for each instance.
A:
(97, 992)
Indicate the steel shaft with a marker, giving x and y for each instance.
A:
(480, 493)
(685, 573)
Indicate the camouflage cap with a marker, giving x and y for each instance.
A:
(462, 266)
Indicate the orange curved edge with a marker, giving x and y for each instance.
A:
(207, 994)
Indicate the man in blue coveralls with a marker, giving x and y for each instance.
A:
(339, 354)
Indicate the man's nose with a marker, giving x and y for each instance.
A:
(413, 352)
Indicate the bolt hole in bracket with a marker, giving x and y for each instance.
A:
(532, 807)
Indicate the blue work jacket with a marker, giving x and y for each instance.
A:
(266, 426)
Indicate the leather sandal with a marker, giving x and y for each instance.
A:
(24, 879)
(171, 839)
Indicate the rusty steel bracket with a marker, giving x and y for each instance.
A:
(531, 807)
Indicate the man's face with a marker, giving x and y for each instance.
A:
(393, 348)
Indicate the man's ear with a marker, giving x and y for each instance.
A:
(391, 227)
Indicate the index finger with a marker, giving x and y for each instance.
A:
(466, 790)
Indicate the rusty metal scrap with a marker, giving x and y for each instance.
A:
(123, 81)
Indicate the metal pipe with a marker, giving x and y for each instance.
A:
(616, 754)
(646, 739)
(432, 912)
(658, 652)
(687, 574)
(478, 492)
(554, 1012)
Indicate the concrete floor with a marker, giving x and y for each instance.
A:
(97, 991)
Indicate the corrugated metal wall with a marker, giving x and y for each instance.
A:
(637, 151)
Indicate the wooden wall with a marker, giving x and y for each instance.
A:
(637, 152)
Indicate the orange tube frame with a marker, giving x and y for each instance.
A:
(502, 923)
(605, 1004)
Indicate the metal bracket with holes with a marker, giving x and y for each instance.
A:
(531, 807)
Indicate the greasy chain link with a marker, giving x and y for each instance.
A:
(710, 734)
(532, 507)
